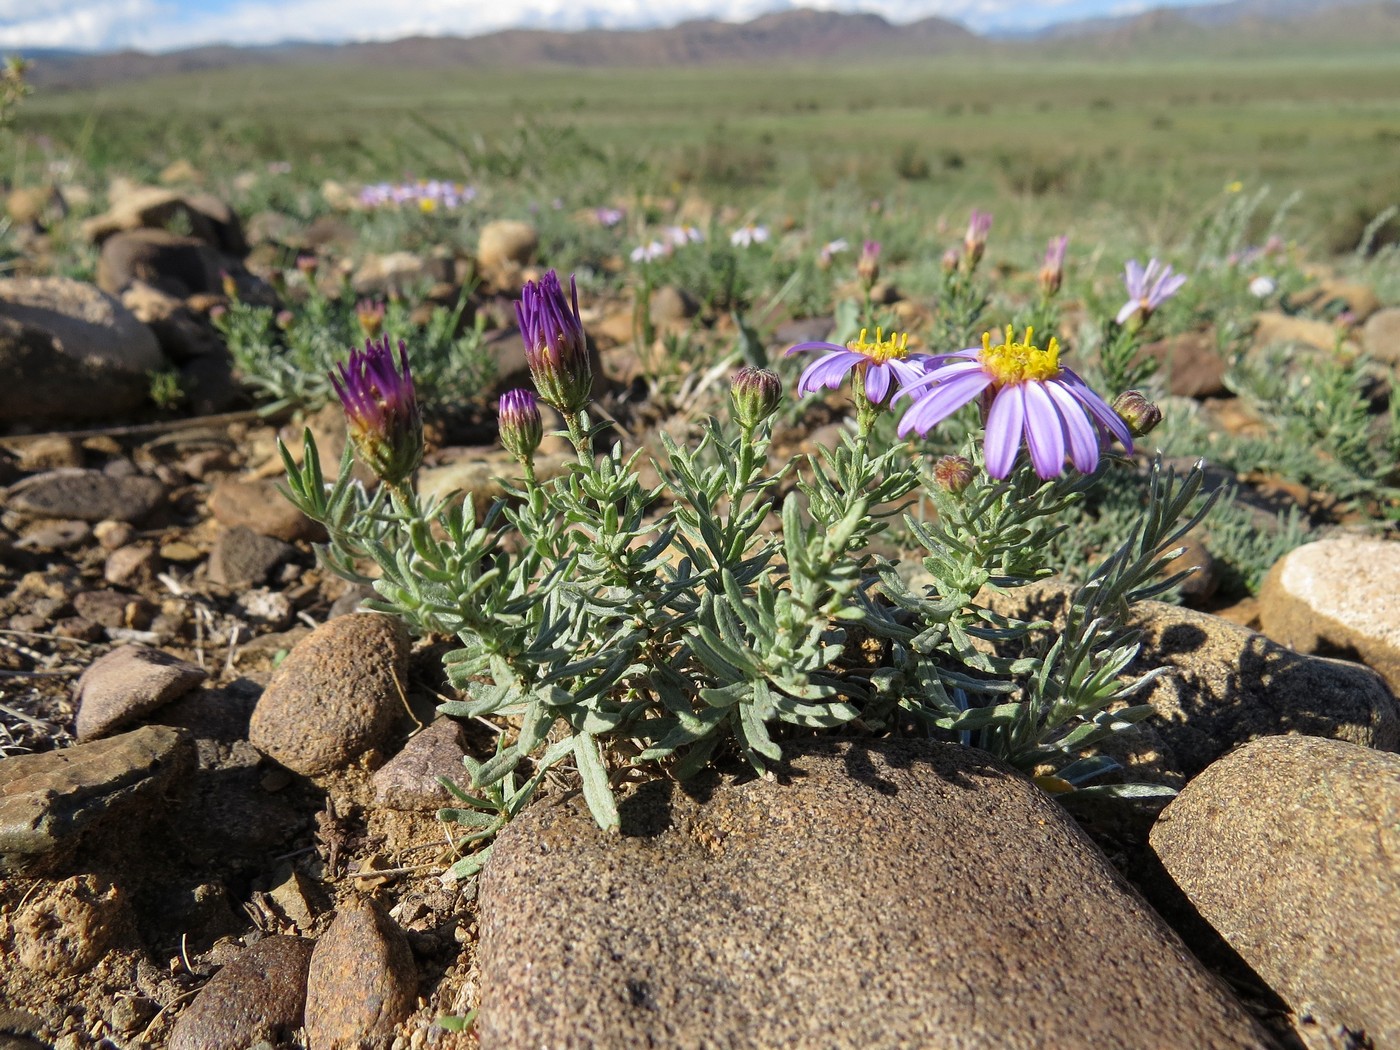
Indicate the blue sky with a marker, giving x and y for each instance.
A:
(162, 25)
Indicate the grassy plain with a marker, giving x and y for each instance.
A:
(1112, 149)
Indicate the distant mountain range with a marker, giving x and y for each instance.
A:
(1236, 28)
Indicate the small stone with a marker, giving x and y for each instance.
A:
(180, 552)
(261, 507)
(131, 565)
(267, 607)
(51, 535)
(505, 243)
(127, 683)
(362, 980)
(1382, 335)
(67, 926)
(335, 696)
(113, 534)
(241, 557)
(1288, 848)
(258, 997)
(409, 780)
(89, 495)
(50, 453)
(50, 802)
(1338, 595)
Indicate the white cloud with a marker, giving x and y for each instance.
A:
(162, 25)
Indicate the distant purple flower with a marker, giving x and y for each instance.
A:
(881, 364)
(748, 234)
(1024, 391)
(381, 409)
(676, 236)
(556, 348)
(831, 249)
(607, 216)
(1148, 289)
(1052, 270)
(645, 253)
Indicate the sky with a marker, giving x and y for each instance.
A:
(165, 25)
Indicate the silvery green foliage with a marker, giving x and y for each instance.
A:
(620, 629)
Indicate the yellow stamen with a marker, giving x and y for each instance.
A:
(1012, 362)
(880, 350)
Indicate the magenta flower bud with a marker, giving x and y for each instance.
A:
(1052, 271)
(555, 347)
(307, 264)
(868, 265)
(381, 410)
(370, 314)
(952, 258)
(975, 241)
(1141, 415)
(953, 473)
(755, 394)
(522, 430)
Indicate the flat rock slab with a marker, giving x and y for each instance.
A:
(1341, 594)
(1290, 848)
(86, 495)
(128, 682)
(892, 894)
(259, 996)
(49, 801)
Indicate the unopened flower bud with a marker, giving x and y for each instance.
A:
(1141, 415)
(284, 319)
(952, 258)
(1052, 271)
(230, 286)
(756, 394)
(975, 241)
(953, 473)
(868, 265)
(556, 348)
(381, 410)
(306, 265)
(521, 427)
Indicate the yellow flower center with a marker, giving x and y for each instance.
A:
(880, 350)
(1012, 362)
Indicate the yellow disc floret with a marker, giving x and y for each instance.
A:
(880, 350)
(1012, 362)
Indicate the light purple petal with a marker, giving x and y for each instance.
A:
(1045, 433)
(830, 347)
(940, 374)
(1083, 436)
(877, 382)
(1135, 279)
(943, 400)
(1166, 287)
(911, 369)
(1099, 408)
(1128, 310)
(1004, 424)
(828, 371)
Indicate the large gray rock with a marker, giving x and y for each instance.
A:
(172, 263)
(86, 495)
(68, 351)
(156, 207)
(1338, 595)
(895, 894)
(1290, 848)
(1226, 685)
(335, 696)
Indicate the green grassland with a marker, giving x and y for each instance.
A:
(1111, 148)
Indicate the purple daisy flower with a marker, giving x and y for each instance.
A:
(882, 364)
(1148, 289)
(1024, 391)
